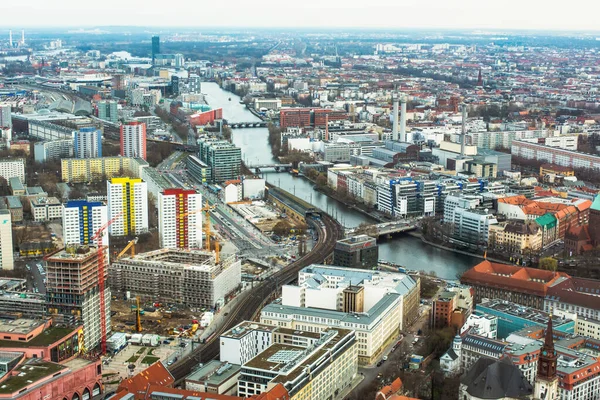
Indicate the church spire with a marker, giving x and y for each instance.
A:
(546, 381)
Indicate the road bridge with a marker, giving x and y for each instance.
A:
(240, 125)
(277, 167)
(386, 228)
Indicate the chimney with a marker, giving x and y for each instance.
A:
(463, 107)
(327, 127)
(395, 126)
(23, 36)
(10, 44)
(403, 119)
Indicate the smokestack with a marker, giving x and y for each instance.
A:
(10, 44)
(463, 107)
(403, 119)
(327, 127)
(23, 36)
(395, 126)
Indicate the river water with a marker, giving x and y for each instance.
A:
(404, 250)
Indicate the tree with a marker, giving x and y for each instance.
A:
(282, 228)
(322, 180)
(548, 263)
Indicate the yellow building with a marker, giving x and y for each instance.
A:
(516, 236)
(127, 206)
(79, 170)
(552, 169)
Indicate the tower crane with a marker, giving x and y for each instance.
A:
(130, 245)
(138, 319)
(97, 238)
(206, 224)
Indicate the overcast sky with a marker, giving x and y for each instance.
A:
(580, 15)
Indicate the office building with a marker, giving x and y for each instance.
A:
(576, 296)
(155, 47)
(108, 111)
(521, 285)
(470, 226)
(73, 290)
(27, 304)
(127, 206)
(192, 277)
(6, 241)
(53, 150)
(180, 219)
(81, 220)
(376, 304)
(214, 377)
(223, 159)
(45, 208)
(12, 167)
(271, 355)
(359, 251)
(76, 170)
(87, 143)
(133, 140)
(194, 83)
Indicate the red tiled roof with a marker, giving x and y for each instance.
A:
(278, 392)
(510, 277)
(156, 374)
(577, 291)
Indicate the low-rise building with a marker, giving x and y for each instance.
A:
(214, 377)
(46, 208)
(359, 251)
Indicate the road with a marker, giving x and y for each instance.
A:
(37, 277)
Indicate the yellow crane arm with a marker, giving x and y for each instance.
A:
(130, 245)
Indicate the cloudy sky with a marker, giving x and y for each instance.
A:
(581, 15)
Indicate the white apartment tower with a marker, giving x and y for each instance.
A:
(87, 143)
(180, 219)
(133, 139)
(127, 206)
(6, 243)
(81, 220)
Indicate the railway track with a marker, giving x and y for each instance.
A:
(328, 233)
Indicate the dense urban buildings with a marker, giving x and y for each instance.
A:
(222, 158)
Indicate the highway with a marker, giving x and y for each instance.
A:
(328, 230)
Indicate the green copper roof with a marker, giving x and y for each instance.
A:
(596, 203)
(546, 221)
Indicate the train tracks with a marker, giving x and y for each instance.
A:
(329, 231)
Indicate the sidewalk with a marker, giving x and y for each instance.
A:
(348, 389)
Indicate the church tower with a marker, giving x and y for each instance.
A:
(546, 381)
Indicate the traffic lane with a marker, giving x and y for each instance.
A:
(38, 278)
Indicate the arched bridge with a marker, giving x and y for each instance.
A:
(277, 167)
(240, 125)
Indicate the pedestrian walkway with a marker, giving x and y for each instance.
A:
(348, 389)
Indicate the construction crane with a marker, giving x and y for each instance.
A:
(138, 319)
(97, 238)
(130, 245)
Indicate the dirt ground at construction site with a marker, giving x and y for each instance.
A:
(160, 321)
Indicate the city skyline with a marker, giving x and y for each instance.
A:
(466, 14)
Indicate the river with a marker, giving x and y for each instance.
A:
(404, 250)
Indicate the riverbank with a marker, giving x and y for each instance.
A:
(442, 247)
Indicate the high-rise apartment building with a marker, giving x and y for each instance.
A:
(133, 139)
(81, 220)
(128, 206)
(73, 290)
(6, 243)
(180, 219)
(5, 117)
(87, 143)
(107, 111)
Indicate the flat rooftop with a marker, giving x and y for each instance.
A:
(528, 313)
(19, 326)
(73, 253)
(29, 373)
(44, 339)
(11, 283)
(243, 328)
(214, 373)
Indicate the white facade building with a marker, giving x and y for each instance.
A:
(128, 206)
(179, 219)
(133, 140)
(6, 242)
(13, 167)
(87, 143)
(81, 220)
